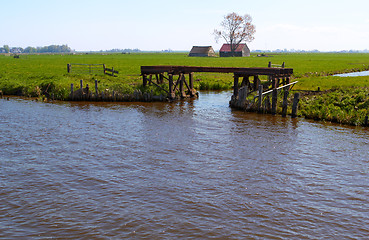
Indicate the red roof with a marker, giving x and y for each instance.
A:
(227, 47)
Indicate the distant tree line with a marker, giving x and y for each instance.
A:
(126, 50)
(46, 49)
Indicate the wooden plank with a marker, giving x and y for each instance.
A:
(287, 85)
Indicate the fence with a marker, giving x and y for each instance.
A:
(85, 68)
(90, 69)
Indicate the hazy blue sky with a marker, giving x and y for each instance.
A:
(178, 25)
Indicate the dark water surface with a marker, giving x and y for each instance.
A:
(188, 170)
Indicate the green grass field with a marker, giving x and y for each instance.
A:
(32, 75)
(30, 72)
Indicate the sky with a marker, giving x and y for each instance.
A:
(155, 25)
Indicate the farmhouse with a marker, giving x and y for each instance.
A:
(202, 51)
(241, 51)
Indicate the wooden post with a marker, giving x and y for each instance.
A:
(256, 82)
(274, 101)
(71, 91)
(81, 83)
(285, 103)
(172, 94)
(366, 121)
(87, 95)
(68, 68)
(260, 98)
(267, 104)
(104, 68)
(245, 81)
(270, 78)
(181, 82)
(235, 86)
(190, 82)
(296, 99)
(283, 64)
(96, 89)
(241, 103)
(144, 80)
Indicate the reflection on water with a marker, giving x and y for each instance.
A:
(193, 169)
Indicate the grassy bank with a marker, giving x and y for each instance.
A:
(37, 75)
(340, 105)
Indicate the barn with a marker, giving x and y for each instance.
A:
(241, 51)
(202, 51)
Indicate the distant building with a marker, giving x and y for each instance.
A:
(202, 51)
(241, 51)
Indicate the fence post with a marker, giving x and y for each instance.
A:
(96, 89)
(366, 121)
(68, 68)
(87, 96)
(71, 91)
(296, 99)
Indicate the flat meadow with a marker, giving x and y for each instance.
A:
(33, 75)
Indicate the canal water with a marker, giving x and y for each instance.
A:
(184, 170)
(353, 74)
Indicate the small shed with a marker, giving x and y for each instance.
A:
(241, 51)
(202, 51)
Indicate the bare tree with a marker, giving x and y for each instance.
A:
(235, 29)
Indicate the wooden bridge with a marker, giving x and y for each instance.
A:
(276, 76)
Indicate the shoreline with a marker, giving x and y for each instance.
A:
(333, 105)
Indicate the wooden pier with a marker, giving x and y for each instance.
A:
(276, 76)
(246, 81)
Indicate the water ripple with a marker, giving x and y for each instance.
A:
(181, 170)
